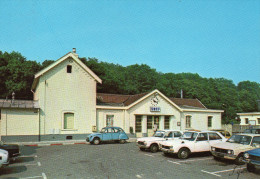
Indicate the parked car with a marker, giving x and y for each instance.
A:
(223, 132)
(108, 134)
(13, 149)
(191, 142)
(235, 147)
(252, 158)
(4, 158)
(151, 143)
(252, 131)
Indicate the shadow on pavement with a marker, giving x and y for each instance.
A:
(12, 170)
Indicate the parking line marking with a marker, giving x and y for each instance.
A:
(174, 162)
(24, 156)
(211, 173)
(195, 160)
(214, 173)
(229, 170)
(32, 177)
(44, 176)
(138, 176)
(149, 155)
(30, 164)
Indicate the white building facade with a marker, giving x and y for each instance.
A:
(67, 106)
(250, 118)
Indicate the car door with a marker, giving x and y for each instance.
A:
(201, 143)
(115, 134)
(177, 134)
(168, 136)
(107, 134)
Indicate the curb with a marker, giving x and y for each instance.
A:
(53, 144)
(60, 143)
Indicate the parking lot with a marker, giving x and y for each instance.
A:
(116, 161)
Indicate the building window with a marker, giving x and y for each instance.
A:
(188, 121)
(246, 120)
(110, 120)
(68, 120)
(149, 122)
(210, 121)
(156, 122)
(167, 122)
(138, 123)
(258, 119)
(69, 68)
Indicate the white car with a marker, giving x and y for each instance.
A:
(151, 143)
(4, 158)
(192, 142)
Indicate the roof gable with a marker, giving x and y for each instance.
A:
(57, 62)
(128, 100)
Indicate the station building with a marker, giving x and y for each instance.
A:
(66, 106)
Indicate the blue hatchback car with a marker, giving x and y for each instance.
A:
(252, 158)
(108, 134)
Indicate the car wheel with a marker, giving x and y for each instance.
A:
(239, 160)
(142, 149)
(183, 153)
(96, 141)
(250, 167)
(122, 141)
(154, 148)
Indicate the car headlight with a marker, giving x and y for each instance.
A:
(230, 152)
(213, 148)
(246, 155)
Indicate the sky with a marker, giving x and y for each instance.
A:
(214, 38)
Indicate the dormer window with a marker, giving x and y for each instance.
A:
(69, 68)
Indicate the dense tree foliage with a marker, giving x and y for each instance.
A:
(17, 73)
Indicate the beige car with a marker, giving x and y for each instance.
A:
(235, 146)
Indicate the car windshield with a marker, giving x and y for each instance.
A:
(158, 134)
(189, 136)
(240, 139)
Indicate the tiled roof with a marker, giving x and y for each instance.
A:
(188, 103)
(23, 104)
(117, 99)
(126, 100)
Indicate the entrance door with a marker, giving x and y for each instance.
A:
(152, 122)
(110, 120)
(150, 126)
(138, 126)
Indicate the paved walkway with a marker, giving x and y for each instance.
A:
(49, 143)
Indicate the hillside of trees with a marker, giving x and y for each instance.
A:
(17, 73)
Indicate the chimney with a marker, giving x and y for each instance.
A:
(74, 52)
(181, 94)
